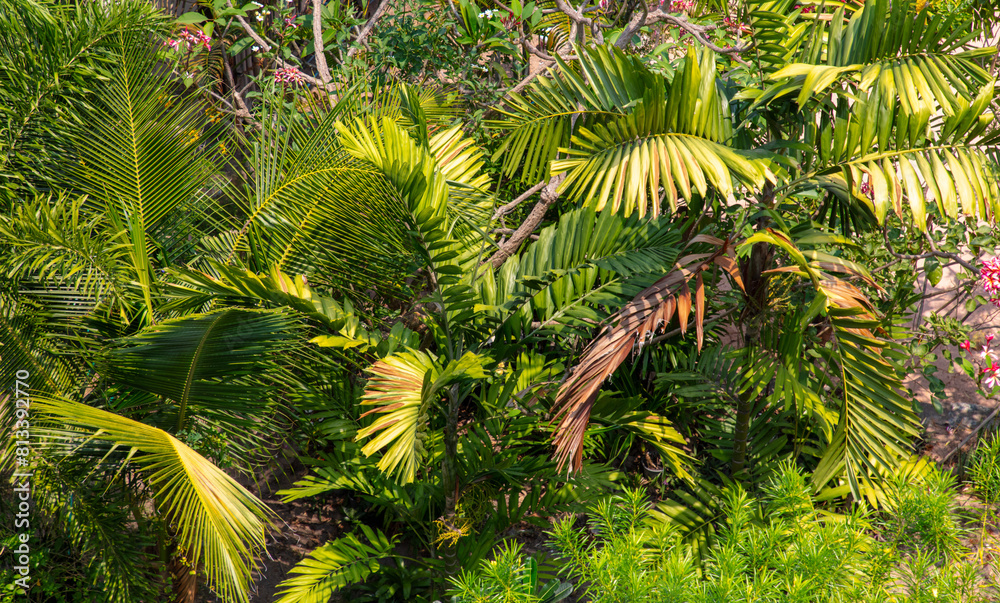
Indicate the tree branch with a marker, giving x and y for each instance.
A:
(266, 46)
(318, 45)
(369, 26)
(549, 196)
(698, 32)
(503, 210)
(934, 253)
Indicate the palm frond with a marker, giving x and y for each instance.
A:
(540, 118)
(196, 289)
(405, 385)
(917, 59)
(632, 326)
(54, 245)
(141, 153)
(208, 364)
(335, 565)
(635, 132)
(877, 423)
(554, 279)
(220, 524)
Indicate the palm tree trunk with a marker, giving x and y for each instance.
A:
(740, 435)
(449, 480)
(756, 288)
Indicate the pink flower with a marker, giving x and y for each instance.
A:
(867, 190)
(680, 6)
(993, 379)
(989, 340)
(289, 75)
(966, 346)
(511, 22)
(989, 275)
(193, 38)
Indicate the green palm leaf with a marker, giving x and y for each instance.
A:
(141, 155)
(208, 364)
(338, 563)
(918, 59)
(220, 524)
(634, 133)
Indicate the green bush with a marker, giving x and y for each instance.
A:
(777, 548)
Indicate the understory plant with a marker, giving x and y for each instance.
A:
(779, 546)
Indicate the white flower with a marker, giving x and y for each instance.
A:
(256, 48)
(260, 17)
(481, 15)
(257, 4)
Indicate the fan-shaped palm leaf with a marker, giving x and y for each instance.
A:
(405, 385)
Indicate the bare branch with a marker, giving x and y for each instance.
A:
(242, 111)
(503, 210)
(934, 253)
(698, 32)
(549, 196)
(267, 45)
(318, 45)
(369, 26)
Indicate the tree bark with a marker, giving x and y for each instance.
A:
(549, 196)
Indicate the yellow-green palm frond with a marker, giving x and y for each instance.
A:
(876, 423)
(908, 162)
(219, 523)
(404, 386)
(918, 59)
(538, 121)
(56, 249)
(636, 133)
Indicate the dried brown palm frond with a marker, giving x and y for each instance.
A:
(638, 321)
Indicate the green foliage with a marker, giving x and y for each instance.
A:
(508, 578)
(336, 564)
(779, 547)
(201, 262)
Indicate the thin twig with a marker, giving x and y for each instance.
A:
(934, 253)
